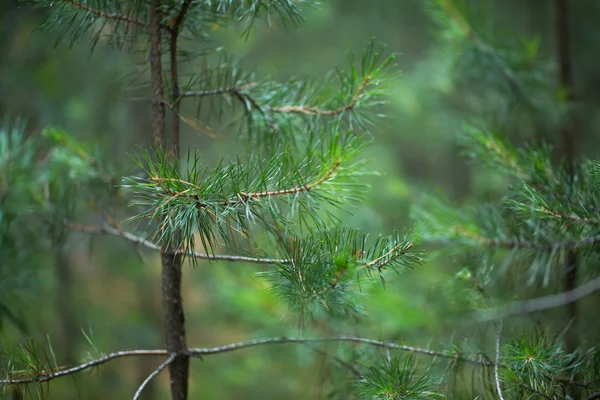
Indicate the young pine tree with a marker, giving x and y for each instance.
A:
(275, 206)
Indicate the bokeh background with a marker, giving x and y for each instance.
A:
(114, 294)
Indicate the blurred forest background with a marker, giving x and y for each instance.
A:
(113, 297)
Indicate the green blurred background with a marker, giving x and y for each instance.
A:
(115, 294)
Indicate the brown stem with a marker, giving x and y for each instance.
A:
(64, 275)
(174, 94)
(568, 146)
(173, 316)
(158, 108)
(102, 14)
(174, 321)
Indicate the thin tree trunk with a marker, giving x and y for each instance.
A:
(568, 148)
(174, 321)
(173, 314)
(64, 278)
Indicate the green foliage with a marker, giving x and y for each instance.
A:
(532, 365)
(324, 274)
(221, 203)
(399, 378)
(541, 218)
(283, 111)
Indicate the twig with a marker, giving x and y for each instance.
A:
(216, 92)
(497, 362)
(84, 366)
(552, 301)
(351, 368)
(198, 352)
(535, 391)
(245, 197)
(391, 254)
(106, 229)
(245, 98)
(523, 244)
(104, 14)
(157, 371)
(358, 340)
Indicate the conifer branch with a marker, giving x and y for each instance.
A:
(553, 301)
(486, 49)
(81, 367)
(524, 244)
(244, 98)
(216, 92)
(157, 371)
(309, 110)
(393, 253)
(244, 197)
(106, 15)
(200, 352)
(139, 240)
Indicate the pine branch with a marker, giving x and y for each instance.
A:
(397, 251)
(503, 69)
(157, 371)
(309, 110)
(242, 198)
(245, 99)
(90, 364)
(552, 301)
(139, 240)
(106, 15)
(200, 352)
(526, 244)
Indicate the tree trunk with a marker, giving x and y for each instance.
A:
(64, 280)
(567, 138)
(173, 314)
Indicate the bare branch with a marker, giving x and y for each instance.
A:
(359, 340)
(107, 229)
(497, 362)
(199, 352)
(99, 13)
(84, 366)
(216, 92)
(525, 244)
(157, 371)
(552, 301)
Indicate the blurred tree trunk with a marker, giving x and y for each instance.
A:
(65, 309)
(567, 137)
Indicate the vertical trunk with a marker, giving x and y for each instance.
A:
(175, 92)
(158, 106)
(173, 315)
(64, 277)
(568, 149)
(174, 321)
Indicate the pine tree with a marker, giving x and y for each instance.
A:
(275, 206)
(523, 254)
